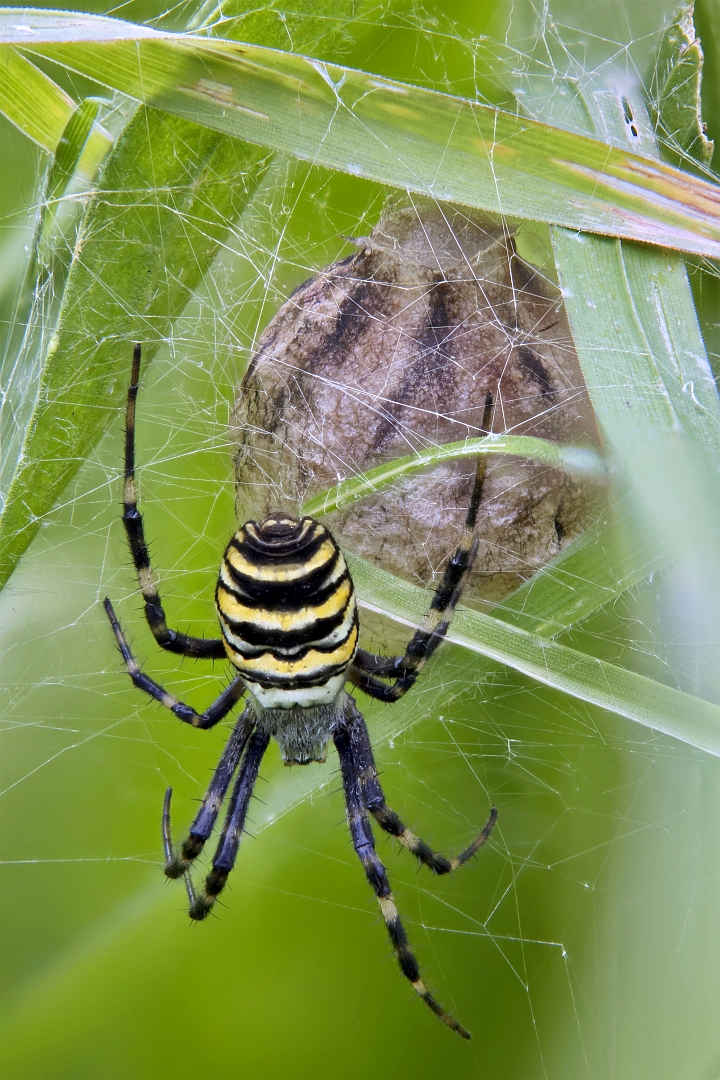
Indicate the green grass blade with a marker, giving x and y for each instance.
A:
(643, 358)
(574, 459)
(398, 134)
(676, 92)
(147, 239)
(82, 147)
(613, 554)
(689, 719)
(80, 150)
(639, 344)
(158, 247)
(71, 146)
(32, 101)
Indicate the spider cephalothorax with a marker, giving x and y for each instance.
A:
(289, 626)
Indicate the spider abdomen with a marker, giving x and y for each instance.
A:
(287, 611)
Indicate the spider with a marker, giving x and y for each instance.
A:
(289, 625)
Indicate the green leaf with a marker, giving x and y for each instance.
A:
(657, 405)
(447, 147)
(611, 556)
(32, 101)
(302, 26)
(678, 78)
(153, 227)
(687, 718)
(70, 147)
(80, 151)
(575, 459)
(638, 339)
(643, 358)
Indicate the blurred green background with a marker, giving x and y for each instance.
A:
(583, 941)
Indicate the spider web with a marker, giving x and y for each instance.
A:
(581, 942)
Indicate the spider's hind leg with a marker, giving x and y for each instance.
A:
(201, 904)
(376, 875)
(388, 820)
(374, 800)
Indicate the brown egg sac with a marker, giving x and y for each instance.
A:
(393, 350)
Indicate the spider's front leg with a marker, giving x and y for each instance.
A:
(369, 669)
(172, 640)
(212, 715)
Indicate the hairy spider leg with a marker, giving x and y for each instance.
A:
(374, 800)
(376, 874)
(177, 863)
(227, 848)
(169, 851)
(212, 715)
(369, 668)
(172, 640)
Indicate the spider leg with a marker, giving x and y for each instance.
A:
(374, 800)
(364, 845)
(227, 849)
(212, 715)
(368, 668)
(177, 863)
(171, 858)
(200, 648)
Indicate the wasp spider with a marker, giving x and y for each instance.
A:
(289, 625)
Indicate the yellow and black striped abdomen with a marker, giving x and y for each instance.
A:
(287, 611)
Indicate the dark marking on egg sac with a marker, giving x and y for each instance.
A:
(532, 362)
(395, 350)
